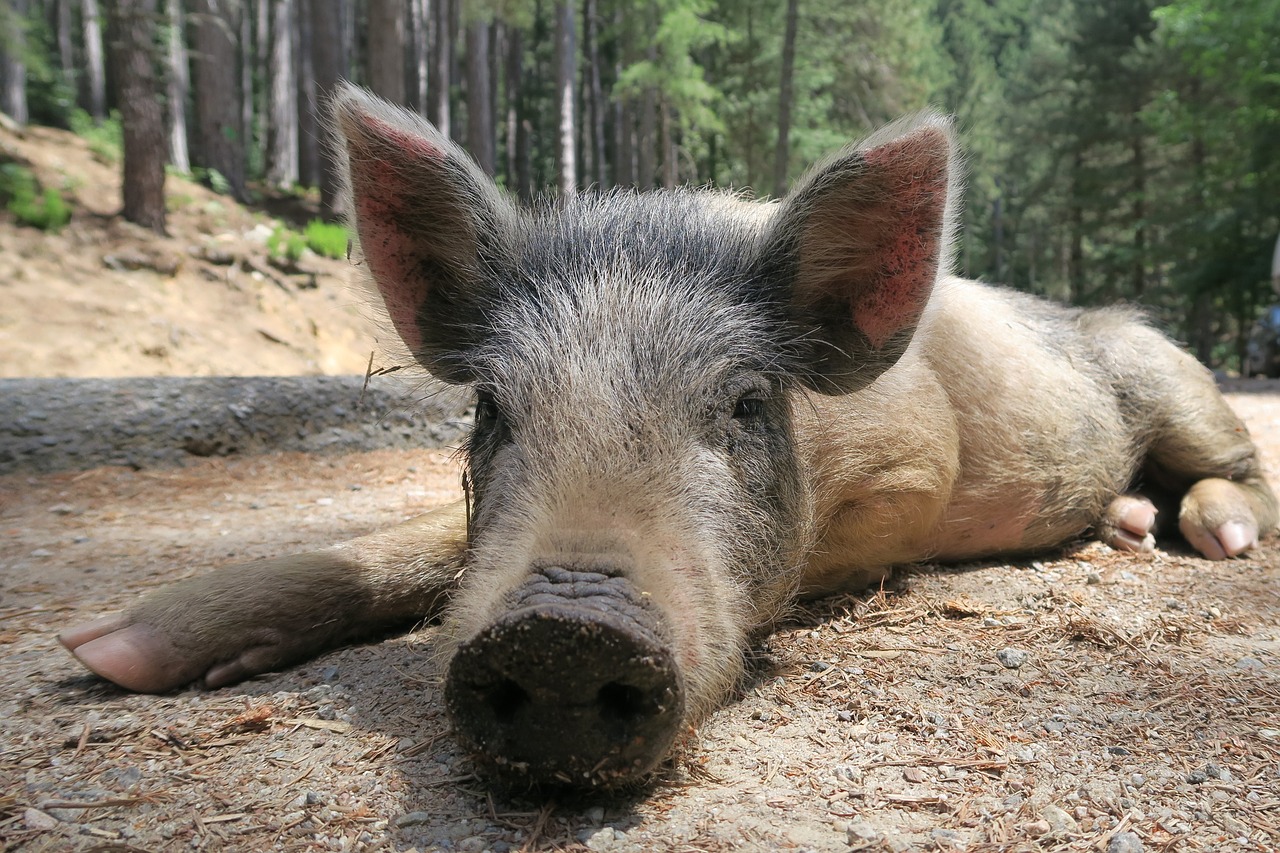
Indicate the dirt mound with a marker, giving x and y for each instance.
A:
(105, 298)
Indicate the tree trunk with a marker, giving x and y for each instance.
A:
(217, 94)
(595, 99)
(327, 63)
(1075, 218)
(282, 149)
(670, 169)
(782, 154)
(133, 47)
(419, 26)
(308, 105)
(386, 49)
(566, 160)
(239, 13)
(95, 70)
(13, 70)
(479, 110)
(442, 79)
(66, 45)
(518, 172)
(177, 86)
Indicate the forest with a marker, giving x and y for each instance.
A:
(1117, 151)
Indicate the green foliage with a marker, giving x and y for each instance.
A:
(105, 138)
(327, 239)
(213, 179)
(287, 244)
(44, 209)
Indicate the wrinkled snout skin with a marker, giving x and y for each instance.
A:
(690, 411)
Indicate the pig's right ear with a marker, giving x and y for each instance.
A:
(862, 239)
(428, 221)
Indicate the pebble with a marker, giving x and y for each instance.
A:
(1012, 658)
(42, 552)
(861, 832)
(413, 818)
(1251, 664)
(1037, 828)
(913, 774)
(1125, 842)
(38, 820)
(1059, 821)
(948, 839)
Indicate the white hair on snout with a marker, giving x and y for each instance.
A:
(610, 376)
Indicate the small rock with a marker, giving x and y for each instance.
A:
(1251, 664)
(948, 839)
(595, 814)
(324, 501)
(1197, 777)
(38, 820)
(42, 552)
(861, 832)
(1093, 579)
(1012, 658)
(413, 818)
(1125, 842)
(913, 774)
(602, 839)
(1054, 725)
(1060, 822)
(62, 509)
(1037, 828)
(1213, 771)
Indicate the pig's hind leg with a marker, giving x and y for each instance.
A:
(235, 622)
(1198, 454)
(1129, 524)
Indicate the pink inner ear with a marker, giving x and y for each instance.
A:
(384, 216)
(908, 249)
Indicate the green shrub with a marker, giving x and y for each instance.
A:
(104, 138)
(284, 243)
(20, 190)
(327, 239)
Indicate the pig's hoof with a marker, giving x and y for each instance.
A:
(130, 654)
(574, 686)
(141, 658)
(1129, 524)
(1217, 519)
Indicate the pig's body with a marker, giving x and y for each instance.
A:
(690, 411)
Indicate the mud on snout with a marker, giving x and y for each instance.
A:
(574, 685)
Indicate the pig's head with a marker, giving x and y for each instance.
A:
(638, 507)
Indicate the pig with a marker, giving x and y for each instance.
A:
(691, 411)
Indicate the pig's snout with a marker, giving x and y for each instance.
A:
(574, 685)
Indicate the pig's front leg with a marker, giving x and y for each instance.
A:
(250, 618)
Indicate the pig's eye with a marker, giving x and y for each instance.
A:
(487, 412)
(748, 408)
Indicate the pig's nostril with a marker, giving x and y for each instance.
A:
(621, 702)
(506, 700)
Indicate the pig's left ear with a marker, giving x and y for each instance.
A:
(862, 238)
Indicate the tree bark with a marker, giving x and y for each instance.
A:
(178, 86)
(782, 154)
(13, 70)
(441, 79)
(566, 160)
(217, 97)
(595, 99)
(95, 69)
(386, 49)
(327, 62)
(308, 104)
(480, 141)
(66, 45)
(142, 121)
(282, 148)
(419, 27)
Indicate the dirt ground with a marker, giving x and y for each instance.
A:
(1084, 701)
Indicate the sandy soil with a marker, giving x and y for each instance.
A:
(104, 298)
(1084, 701)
